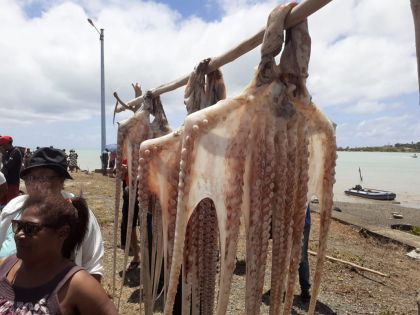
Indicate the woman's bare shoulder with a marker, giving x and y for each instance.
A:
(88, 295)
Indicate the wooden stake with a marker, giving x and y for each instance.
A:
(350, 264)
(297, 14)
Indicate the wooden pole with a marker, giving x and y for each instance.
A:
(350, 264)
(297, 14)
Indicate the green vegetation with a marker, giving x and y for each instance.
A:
(415, 230)
(398, 147)
(386, 311)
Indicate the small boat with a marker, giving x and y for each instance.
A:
(414, 156)
(370, 193)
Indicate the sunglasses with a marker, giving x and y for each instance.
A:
(29, 228)
(40, 179)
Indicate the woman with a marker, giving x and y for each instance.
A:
(41, 278)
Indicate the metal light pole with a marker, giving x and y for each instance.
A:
(103, 131)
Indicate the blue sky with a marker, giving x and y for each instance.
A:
(362, 72)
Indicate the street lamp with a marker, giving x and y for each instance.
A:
(103, 131)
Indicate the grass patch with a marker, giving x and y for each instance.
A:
(415, 230)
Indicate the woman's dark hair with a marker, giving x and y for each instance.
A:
(57, 211)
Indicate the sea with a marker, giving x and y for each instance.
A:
(393, 171)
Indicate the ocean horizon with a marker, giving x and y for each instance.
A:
(392, 171)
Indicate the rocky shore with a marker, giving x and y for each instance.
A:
(344, 290)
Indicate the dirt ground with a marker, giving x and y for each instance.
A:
(344, 289)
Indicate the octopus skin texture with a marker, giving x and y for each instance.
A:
(259, 155)
(158, 177)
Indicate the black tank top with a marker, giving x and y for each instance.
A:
(37, 300)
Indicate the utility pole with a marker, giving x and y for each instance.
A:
(103, 128)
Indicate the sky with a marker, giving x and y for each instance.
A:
(362, 72)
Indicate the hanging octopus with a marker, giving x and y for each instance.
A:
(158, 177)
(259, 155)
(131, 133)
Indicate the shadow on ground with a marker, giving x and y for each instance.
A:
(132, 277)
(298, 304)
(240, 268)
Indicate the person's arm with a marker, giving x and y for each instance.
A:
(8, 213)
(88, 297)
(90, 254)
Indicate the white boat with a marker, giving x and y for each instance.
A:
(414, 156)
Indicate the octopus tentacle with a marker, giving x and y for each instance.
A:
(189, 265)
(132, 131)
(215, 88)
(181, 222)
(160, 182)
(278, 209)
(157, 248)
(253, 243)
(209, 258)
(326, 206)
(196, 252)
(143, 199)
(321, 184)
(118, 182)
(195, 91)
(298, 213)
(260, 213)
(285, 242)
(229, 231)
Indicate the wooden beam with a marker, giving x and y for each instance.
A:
(297, 14)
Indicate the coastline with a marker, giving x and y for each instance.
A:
(377, 213)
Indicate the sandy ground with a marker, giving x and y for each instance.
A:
(344, 290)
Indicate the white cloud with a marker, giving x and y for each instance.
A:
(379, 131)
(363, 54)
(362, 50)
(370, 107)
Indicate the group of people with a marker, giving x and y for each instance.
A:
(51, 245)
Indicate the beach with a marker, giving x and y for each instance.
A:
(344, 289)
